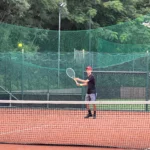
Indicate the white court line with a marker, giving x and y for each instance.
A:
(27, 129)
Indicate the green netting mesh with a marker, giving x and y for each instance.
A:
(131, 36)
(36, 75)
(119, 55)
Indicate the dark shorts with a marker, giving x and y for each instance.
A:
(90, 97)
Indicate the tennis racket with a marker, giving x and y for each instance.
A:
(71, 74)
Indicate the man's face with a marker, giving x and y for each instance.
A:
(88, 71)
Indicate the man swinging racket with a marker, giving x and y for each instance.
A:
(91, 90)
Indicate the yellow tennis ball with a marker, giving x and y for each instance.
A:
(20, 45)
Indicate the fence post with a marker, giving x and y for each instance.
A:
(147, 80)
(22, 74)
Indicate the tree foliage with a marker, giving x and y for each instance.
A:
(44, 13)
(76, 15)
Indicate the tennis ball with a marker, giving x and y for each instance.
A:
(20, 45)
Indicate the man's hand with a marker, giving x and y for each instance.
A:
(76, 82)
(76, 79)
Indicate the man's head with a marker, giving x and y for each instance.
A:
(89, 69)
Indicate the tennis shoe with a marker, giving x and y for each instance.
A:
(88, 115)
(94, 117)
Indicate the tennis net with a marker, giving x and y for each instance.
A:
(118, 124)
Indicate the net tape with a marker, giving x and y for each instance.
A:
(73, 102)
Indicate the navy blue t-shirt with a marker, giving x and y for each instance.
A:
(91, 84)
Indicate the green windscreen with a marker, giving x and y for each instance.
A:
(40, 76)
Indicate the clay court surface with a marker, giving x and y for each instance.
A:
(31, 147)
(120, 129)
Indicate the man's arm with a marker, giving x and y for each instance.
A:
(83, 81)
(80, 80)
(83, 84)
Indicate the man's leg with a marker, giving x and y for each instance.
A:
(94, 107)
(89, 112)
(87, 98)
(93, 98)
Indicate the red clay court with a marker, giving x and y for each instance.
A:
(115, 129)
(32, 147)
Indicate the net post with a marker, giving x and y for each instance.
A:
(10, 99)
(48, 99)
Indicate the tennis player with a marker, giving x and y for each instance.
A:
(91, 90)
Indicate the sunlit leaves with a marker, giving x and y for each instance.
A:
(115, 5)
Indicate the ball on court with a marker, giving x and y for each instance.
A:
(19, 44)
